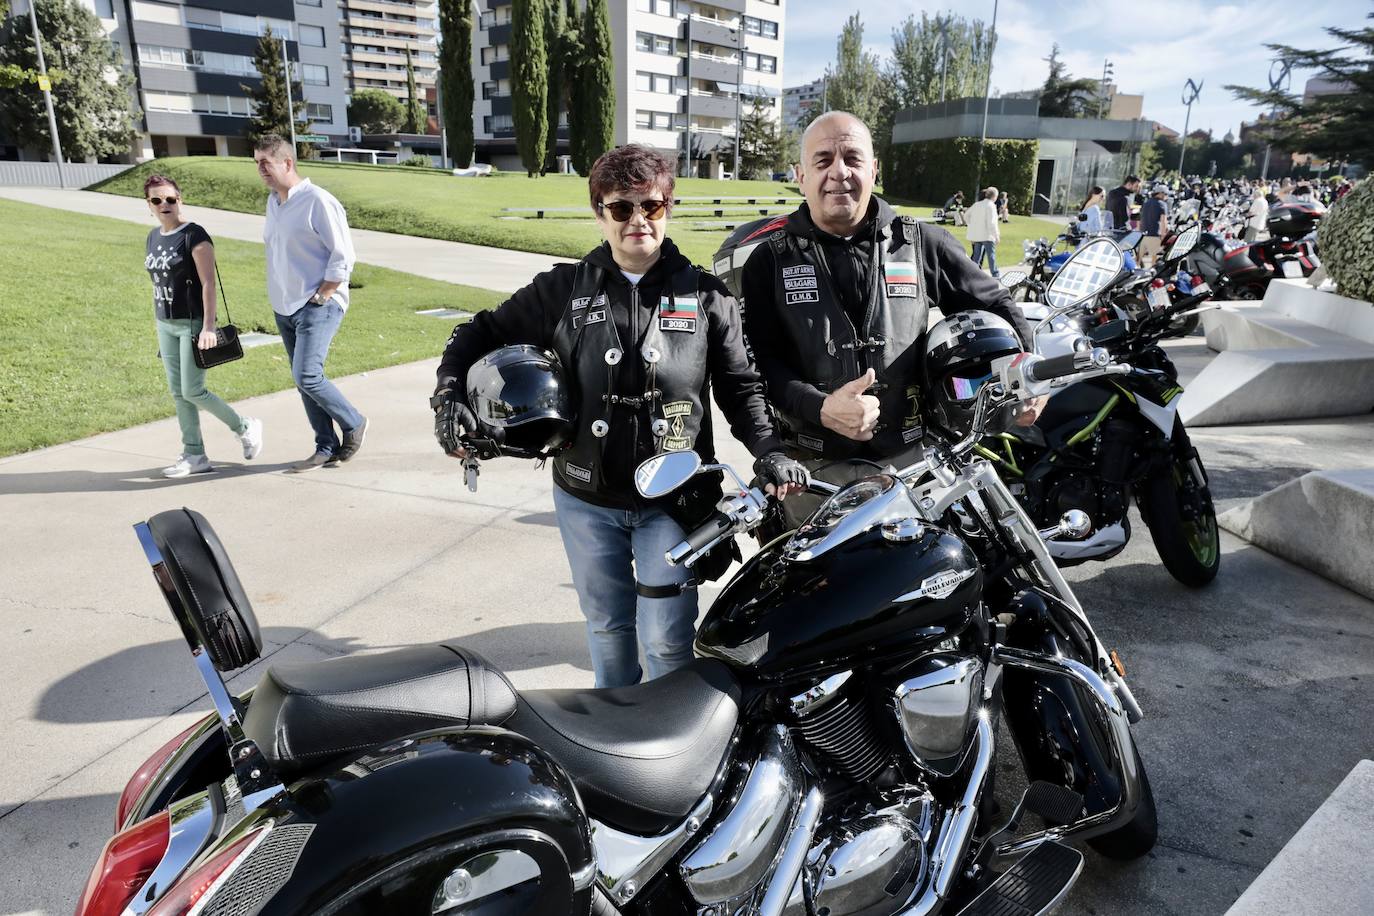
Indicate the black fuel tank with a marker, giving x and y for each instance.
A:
(863, 599)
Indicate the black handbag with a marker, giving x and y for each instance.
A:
(227, 346)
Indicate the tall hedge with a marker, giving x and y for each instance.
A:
(529, 83)
(932, 170)
(455, 78)
(1346, 237)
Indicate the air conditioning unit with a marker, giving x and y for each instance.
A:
(355, 135)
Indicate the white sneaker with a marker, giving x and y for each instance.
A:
(187, 465)
(251, 438)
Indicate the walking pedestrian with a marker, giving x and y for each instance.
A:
(983, 231)
(309, 258)
(1154, 224)
(1119, 202)
(1259, 211)
(180, 259)
(1091, 211)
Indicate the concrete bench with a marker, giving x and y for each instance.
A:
(1324, 869)
(1323, 521)
(1300, 353)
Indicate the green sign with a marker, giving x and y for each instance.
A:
(311, 138)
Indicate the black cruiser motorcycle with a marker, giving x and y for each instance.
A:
(830, 751)
(1105, 441)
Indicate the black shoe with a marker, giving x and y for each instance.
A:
(314, 462)
(352, 441)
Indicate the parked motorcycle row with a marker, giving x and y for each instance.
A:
(830, 751)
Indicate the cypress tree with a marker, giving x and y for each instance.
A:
(455, 77)
(554, 27)
(529, 82)
(597, 83)
(416, 120)
(270, 112)
(573, 46)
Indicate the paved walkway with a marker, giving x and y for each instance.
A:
(454, 262)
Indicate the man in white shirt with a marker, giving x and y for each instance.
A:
(309, 258)
(1255, 218)
(983, 231)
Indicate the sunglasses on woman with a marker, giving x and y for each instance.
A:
(158, 201)
(622, 210)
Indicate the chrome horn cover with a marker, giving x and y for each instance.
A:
(938, 709)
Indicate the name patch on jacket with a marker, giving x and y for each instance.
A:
(590, 316)
(900, 277)
(676, 413)
(677, 313)
(577, 473)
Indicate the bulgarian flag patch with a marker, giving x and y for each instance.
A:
(900, 272)
(677, 307)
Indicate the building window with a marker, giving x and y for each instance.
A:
(319, 111)
(310, 2)
(495, 54)
(104, 9)
(659, 82)
(190, 59)
(314, 75)
(311, 35)
(654, 44)
(157, 12)
(658, 120)
(498, 123)
(659, 7)
(764, 28)
(763, 63)
(488, 20)
(489, 90)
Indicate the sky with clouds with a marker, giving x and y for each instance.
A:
(1154, 45)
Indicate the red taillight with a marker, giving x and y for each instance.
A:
(182, 896)
(150, 768)
(1156, 283)
(124, 864)
(1197, 279)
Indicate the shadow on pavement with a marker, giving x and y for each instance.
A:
(80, 481)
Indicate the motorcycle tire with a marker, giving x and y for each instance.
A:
(1138, 836)
(1181, 517)
(1182, 327)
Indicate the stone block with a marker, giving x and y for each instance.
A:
(1324, 868)
(1286, 383)
(1323, 521)
(1341, 314)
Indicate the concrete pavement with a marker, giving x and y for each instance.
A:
(453, 262)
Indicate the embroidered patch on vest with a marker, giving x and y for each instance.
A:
(811, 442)
(677, 413)
(799, 283)
(678, 313)
(799, 270)
(591, 316)
(911, 435)
(577, 473)
(581, 302)
(804, 295)
(900, 277)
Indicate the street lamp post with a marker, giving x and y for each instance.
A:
(45, 85)
(1191, 91)
(290, 105)
(739, 95)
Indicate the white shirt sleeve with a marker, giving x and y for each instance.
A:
(331, 224)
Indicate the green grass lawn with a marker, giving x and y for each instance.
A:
(78, 348)
(434, 204)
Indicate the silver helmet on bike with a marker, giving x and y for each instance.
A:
(960, 350)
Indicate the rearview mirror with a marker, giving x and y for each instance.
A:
(1011, 278)
(662, 474)
(1128, 241)
(1090, 270)
(1186, 242)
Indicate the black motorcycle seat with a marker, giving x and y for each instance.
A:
(304, 714)
(641, 756)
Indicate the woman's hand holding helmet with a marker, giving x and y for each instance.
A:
(455, 425)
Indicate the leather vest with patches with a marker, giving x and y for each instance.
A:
(673, 355)
(832, 352)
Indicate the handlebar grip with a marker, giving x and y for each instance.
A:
(718, 524)
(1052, 367)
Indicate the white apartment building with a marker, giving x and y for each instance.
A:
(377, 34)
(799, 101)
(679, 65)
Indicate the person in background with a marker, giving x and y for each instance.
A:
(1003, 208)
(1154, 224)
(1092, 211)
(954, 208)
(180, 259)
(309, 258)
(1259, 210)
(1302, 194)
(983, 231)
(1119, 202)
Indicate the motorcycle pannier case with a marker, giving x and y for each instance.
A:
(1292, 220)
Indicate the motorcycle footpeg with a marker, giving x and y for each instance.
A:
(1055, 805)
(1035, 884)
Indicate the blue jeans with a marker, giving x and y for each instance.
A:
(601, 543)
(988, 250)
(307, 335)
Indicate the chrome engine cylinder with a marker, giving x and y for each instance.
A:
(733, 860)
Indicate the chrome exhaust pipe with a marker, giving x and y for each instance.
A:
(793, 856)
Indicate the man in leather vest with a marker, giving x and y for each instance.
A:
(837, 306)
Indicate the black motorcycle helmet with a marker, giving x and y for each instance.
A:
(521, 400)
(960, 351)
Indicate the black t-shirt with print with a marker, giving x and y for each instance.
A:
(176, 285)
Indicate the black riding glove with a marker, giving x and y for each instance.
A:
(779, 470)
(454, 422)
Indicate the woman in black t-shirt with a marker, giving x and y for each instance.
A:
(181, 262)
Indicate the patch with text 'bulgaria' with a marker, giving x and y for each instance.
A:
(900, 277)
(678, 313)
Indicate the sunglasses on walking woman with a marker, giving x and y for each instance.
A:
(622, 210)
(157, 201)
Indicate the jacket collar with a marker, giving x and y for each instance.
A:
(800, 222)
(669, 262)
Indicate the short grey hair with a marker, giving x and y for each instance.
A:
(275, 145)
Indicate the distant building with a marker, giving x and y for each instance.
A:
(1317, 87)
(376, 35)
(799, 101)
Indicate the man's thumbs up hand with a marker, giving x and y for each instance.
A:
(850, 412)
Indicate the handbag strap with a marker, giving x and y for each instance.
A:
(224, 300)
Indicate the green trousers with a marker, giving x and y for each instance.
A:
(176, 339)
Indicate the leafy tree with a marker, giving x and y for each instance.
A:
(455, 77)
(760, 142)
(941, 56)
(855, 84)
(1337, 126)
(415, 120)
(270, 112)
(90, 93)
(1066, 97)
(593, 130)
(376, 111)
(529, 83)
(555, 28)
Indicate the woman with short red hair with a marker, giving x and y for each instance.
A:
(641, 335)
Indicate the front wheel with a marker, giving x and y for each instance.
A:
(1138, 836)
(1177, 505)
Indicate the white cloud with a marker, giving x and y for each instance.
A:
(1154, 49)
